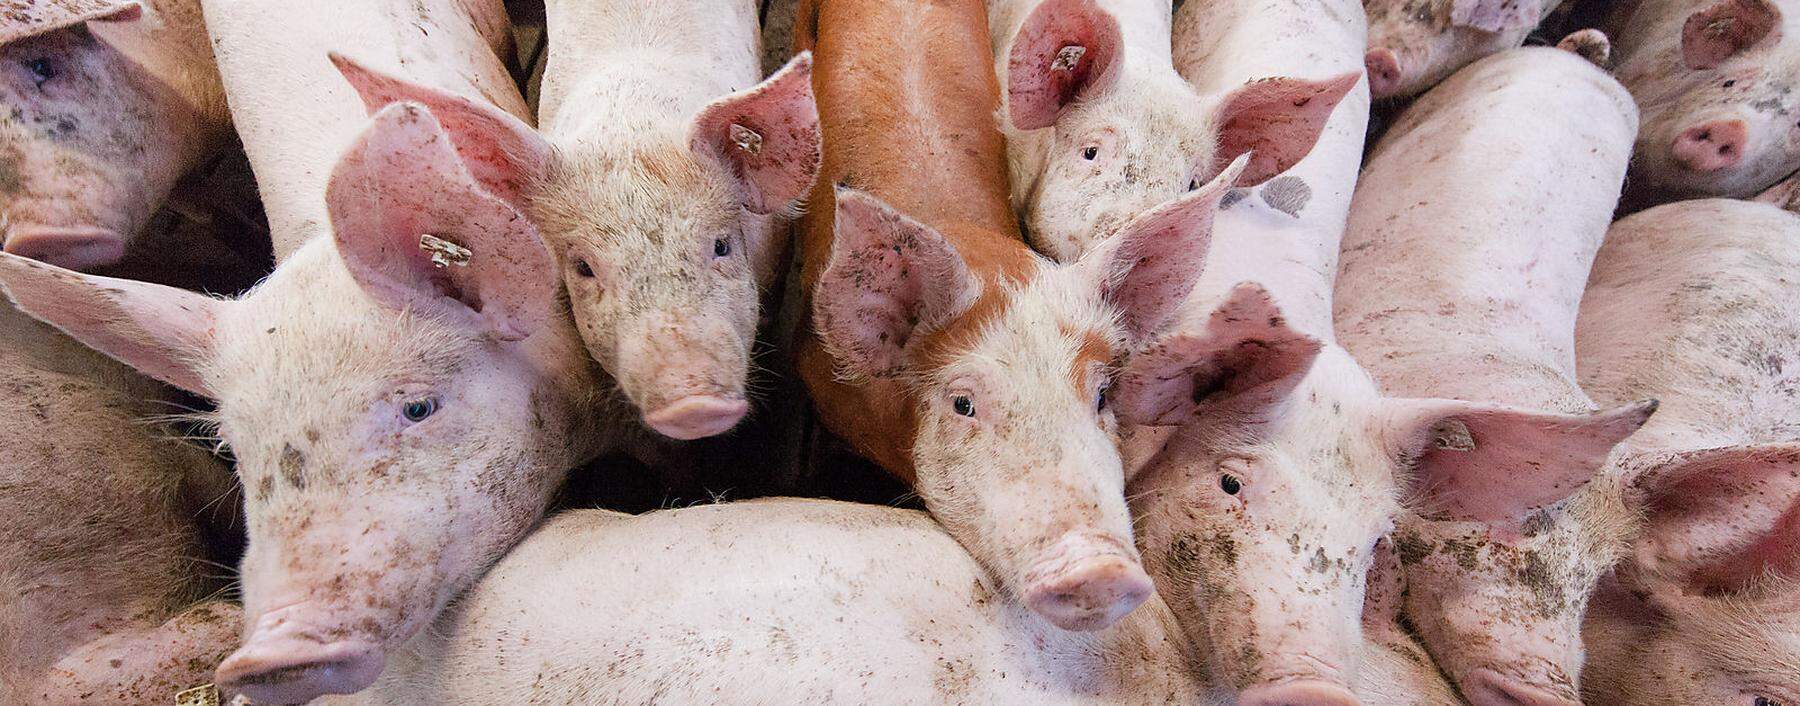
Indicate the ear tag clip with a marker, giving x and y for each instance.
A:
(1067, 57)
(443, 252)
(746, 139)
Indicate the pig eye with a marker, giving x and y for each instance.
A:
(721, 247)
(582, 268)
(41, 70)
(1194, 184)
(1090, 152)
(417, 410)
(1230, 484)
(963, 406)
(1766, 701)
(1100, 399)
(1729, 83)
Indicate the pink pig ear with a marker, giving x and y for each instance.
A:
(417, 230)
(1724, 28)
(769, 134)
(163, 332)
(30, 19)
(1495, 15)
(503, 153)
(1276, 121)
(889, 277)
(1719, 520)
(1493, 463)
(1246, 360)
(1065, 51)
(1151, 264)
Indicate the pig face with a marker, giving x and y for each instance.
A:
(1013, 438)
(1097, 141)
(1288, 468)
(1720, 117)
(397, 423)
(90, 143)
(1414, 44)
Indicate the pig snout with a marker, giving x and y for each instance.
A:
(72, 247)
(1085, 582)
(286, 660)
(1485, 687)
(1298, 693)
(1711, 146)
(1385, 75)
(687, 378)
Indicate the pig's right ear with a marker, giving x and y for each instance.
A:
(889, 277)
(1495, 15)
(500, 151)
(1246, 360)
(163, 332)
(418, 231)
(1717, 520)
(1721, 30)
(769, 136)
(35, 18)
(1065, 51)
(1276, 121)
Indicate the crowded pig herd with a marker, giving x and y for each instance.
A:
(1257, 352)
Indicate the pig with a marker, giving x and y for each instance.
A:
(1100, 127)
(1462, 272)
(104, 583)
(1785, 194)
(1714, 83)
(110, 103)
(945, 350)
(1694, 302)
(1414, 44)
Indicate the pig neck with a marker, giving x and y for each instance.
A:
(1298, 267)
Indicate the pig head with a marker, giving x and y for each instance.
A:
(1414, 44)
(401, 398)
(107, 104)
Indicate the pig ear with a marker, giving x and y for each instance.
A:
(1724, 28)
(1066, 50)
(1719, 520)
(417, 230)
(30, 19)
(1495, 15)
(164, 332)
(889, 277)
(1276, 121)
(1246, 359)
(1493, 463)
(1151, 264)
(503, 153)
(769, 134)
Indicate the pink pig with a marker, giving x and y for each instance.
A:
(1695, 303)
(109, 103)
(1463, 267)
(1414, 44)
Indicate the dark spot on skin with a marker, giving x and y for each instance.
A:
(265, 487)
(1232, 197)
(1287, 194)
(1538, 523)
(1320, 563)
(293, 467)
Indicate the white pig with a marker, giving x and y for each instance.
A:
(1696, 303)
(1463, 267)
(1414, 44)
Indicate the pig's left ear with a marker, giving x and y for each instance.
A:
(1493, 463)
(1718, 520)
(1495, 15)
(1065, 51)
(30, 19)
(1276, 121)
(418, 231)
(1148, 268)
(503, 153)
(1721, 30)
(768, 134)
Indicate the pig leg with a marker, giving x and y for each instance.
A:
(144, 665)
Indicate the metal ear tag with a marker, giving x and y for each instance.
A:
(746, 139)
(1452, 435)
(203, 695)
(1067, 57)
(443, 252)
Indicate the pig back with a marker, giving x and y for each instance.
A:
(1475, 225)
(1697, 303)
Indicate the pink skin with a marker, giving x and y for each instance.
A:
(105, 116)
(1436, 309)
(1711, 80)
(1414, 44)
(387, 458)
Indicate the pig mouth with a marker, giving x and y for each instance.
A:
(70, 247)
(697, 416)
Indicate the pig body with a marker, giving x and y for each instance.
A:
(1694, 303)
(1713, 82)
(1414, 44)
(110, 103)
(101, 533)
(1463, 267)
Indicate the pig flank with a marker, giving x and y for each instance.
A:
(100, 119)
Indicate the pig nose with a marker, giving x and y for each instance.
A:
(76, 248)
(1298, 693)
(1384, 72)
(1711, 146)
(1085, 583)
(1488, 688)
(696, 416)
